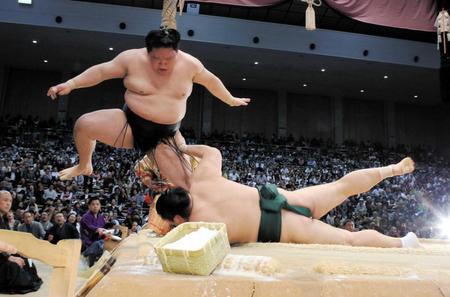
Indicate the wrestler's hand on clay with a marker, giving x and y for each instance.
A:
(59, 90)
(240, 101)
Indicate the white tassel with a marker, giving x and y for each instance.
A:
(310, 18)
(310, 22)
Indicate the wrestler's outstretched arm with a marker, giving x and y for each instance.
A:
(214, 85)
(116, 68)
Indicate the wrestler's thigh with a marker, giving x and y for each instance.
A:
(316, 198)
(108, 126)
(300, 229)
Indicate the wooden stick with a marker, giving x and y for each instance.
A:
(98, 274)
(96, 277)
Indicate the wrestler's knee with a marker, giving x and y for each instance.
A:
(85, 123)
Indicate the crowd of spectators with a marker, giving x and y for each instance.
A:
(32, 152)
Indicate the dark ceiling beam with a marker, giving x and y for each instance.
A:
(287, 11)
(267, 13)
(322, 16)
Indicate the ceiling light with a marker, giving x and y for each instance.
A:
(34, 41)
(323, 69)
(244, 78)
(256, 62)
(385, 77)
(45, 61)
(305, 85)
(111, 48)
(416, 96)
(362, 91)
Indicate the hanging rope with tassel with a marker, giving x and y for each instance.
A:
(442, 25)
(310, 18)
(169, 12)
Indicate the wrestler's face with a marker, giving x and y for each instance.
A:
(162, 60)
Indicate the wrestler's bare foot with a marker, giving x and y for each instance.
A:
(403, 167)
(74, 171)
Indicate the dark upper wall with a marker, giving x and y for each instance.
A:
(25, 93)
(108, 94)
(363, 120)
(260, 116)
(311, 116)
(419, 125)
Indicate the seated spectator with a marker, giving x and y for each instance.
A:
(113, 206)
(139, 197)
(133, 208)
(50, 193)
(5, 206)
(91, 231)
(45, 221)
(349, 225)
(393, 231)
(62, 230)
(19, 216)
(76, 208)
(72, 218)
(12, 222)
(32, 206)
(135, 228)
(31, 226)
(66, 195)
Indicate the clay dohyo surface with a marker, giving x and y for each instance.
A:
(299, 270)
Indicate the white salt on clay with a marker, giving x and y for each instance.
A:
(193, 241)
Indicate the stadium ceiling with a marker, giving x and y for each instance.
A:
(71, 51)
(290, 12)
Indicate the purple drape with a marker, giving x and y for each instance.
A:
(407, 14)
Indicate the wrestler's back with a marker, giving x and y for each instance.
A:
(160, 99)
(221, 200)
